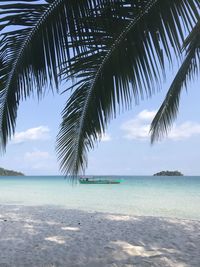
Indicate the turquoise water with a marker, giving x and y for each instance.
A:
(142, 195)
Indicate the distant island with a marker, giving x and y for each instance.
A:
(4, 172)
(168, 173)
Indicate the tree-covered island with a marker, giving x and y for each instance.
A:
(168, 173)
(4, 172)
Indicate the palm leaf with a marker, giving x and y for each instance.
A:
(168, 111)
(127, 68)
(36, 39)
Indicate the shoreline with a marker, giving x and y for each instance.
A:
(45, 236)
(57, 206)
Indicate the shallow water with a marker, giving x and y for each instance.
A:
(136, 195)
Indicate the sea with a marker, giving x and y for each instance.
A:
(177, 196)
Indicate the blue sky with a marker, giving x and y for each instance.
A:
(124, 150)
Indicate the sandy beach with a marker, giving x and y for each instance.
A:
(53, 236)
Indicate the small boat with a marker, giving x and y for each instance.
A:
(98, 181)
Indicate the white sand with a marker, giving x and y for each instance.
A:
(53, 236)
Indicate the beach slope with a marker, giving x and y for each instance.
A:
(53, 236)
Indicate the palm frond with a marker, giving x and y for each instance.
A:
(168, 111)
(127, 68)
(36, 39)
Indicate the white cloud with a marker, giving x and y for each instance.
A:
(106, 138)
(138, 128)
(40, 162)
(184, 131)
(146, 115)
(36, 156)
(37, 133)
(44, 166)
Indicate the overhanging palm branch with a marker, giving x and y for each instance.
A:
(126, 68)
(168, 111)
(36, 39)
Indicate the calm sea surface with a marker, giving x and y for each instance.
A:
(137, 195)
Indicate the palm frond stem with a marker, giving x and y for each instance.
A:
(26, 42)
(115, 44)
